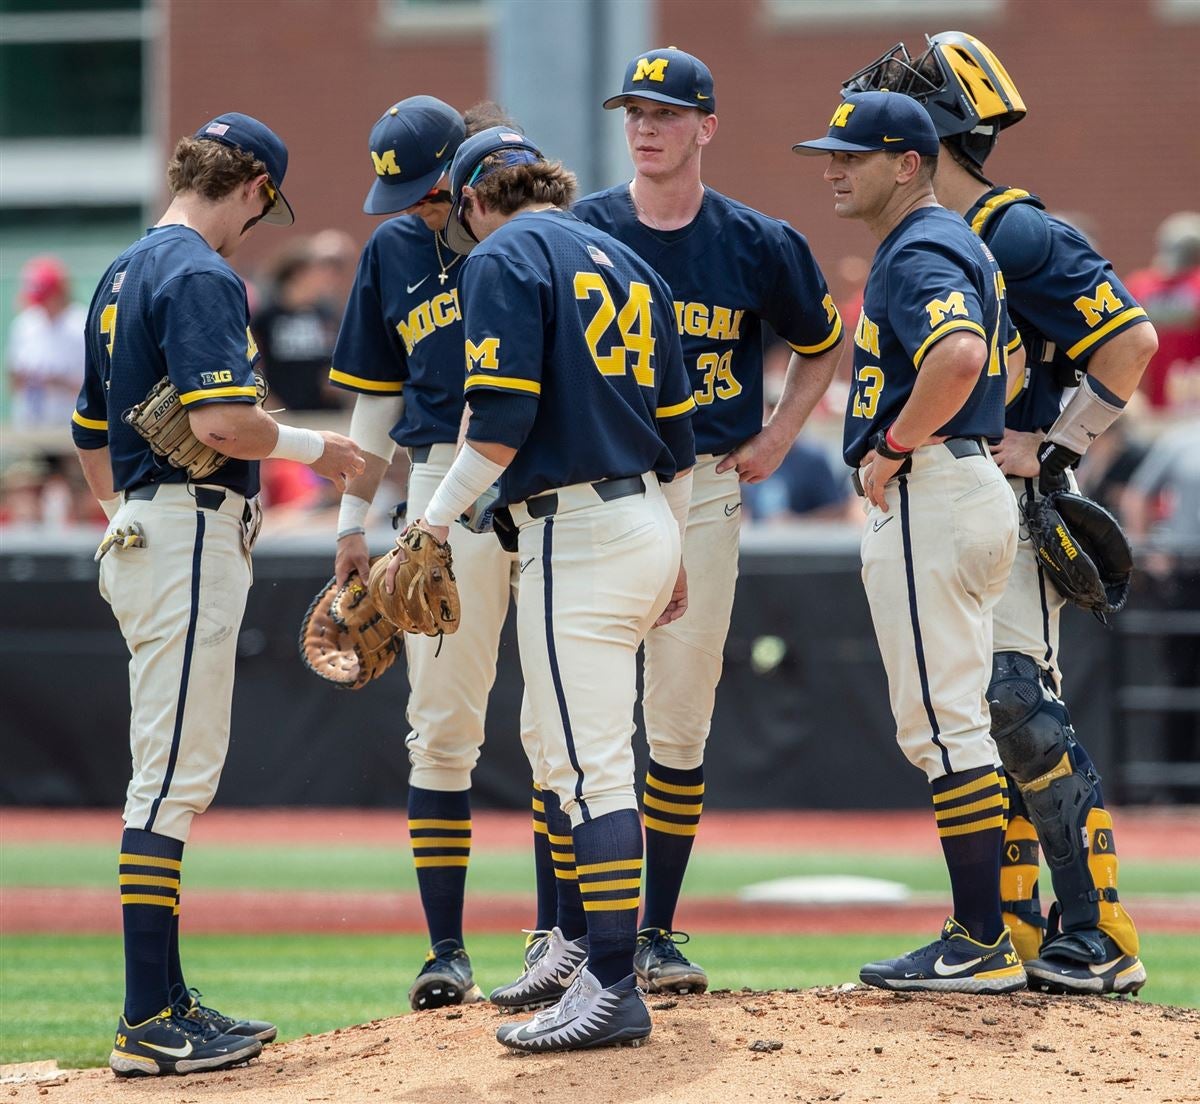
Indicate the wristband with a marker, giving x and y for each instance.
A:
(352, 516)
(892, 443)
(110, 505)
(1087, 414)
(879, 443)
(303, 445)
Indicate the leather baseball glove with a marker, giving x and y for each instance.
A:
(345, 639)
(162, 419)
(425, 595)
(1082, 549)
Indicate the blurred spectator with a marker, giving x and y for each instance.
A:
(1161, 509)
(45, 347)
(1170, 292)
(296, 329)
(335, 253)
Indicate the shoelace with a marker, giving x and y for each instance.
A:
(665, 944)
(187, 1008)
(565, 1009)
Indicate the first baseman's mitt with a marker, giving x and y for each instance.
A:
(162, 419)
(345, 639)
(425, 596)
(1083, 550)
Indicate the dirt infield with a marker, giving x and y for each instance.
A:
(1142, 835)
(848, 1045)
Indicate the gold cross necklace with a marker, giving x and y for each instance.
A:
(437, 245)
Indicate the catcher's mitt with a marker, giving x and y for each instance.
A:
(345, 639)
(425, 595)
(1083, 550)
(162, 419)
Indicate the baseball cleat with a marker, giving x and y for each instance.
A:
(445, 979)
(168, 1044)
(547, 978)
(955, 963)
(660, 966)
(535, 945)
(1085, 962)
(588, 1015)
(187, 1006)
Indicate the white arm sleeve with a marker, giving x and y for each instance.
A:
(372, 422)
(469, 476)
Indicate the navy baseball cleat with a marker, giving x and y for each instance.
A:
(956, 963)
(187, 1005)
(547, 978)
(1085, 962)
(588, 1015)
(167, 1043)
(662, 968)
(535, 945)
(445, 979)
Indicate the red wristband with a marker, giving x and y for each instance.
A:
(892, 443)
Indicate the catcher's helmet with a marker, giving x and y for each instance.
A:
(967, 92)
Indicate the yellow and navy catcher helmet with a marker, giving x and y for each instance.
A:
(967, 92)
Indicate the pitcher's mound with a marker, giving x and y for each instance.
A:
(847, 1044)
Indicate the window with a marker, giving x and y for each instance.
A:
(437, 16)
(846, 13)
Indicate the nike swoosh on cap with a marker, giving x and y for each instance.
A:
(702, 97)
(887, 139)
(413, 287)
(441, 151)
(174, 1052)
(940, 967)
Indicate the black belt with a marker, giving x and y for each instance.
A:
(207, 498)
(420, 453)
(608, 490)
(957, 446)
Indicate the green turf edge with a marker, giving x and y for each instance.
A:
(60, 995)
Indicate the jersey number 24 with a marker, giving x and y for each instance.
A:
(633, 325)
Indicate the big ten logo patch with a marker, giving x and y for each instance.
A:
(702, 320)
(442, 310)
(654, 69)
(211, 379)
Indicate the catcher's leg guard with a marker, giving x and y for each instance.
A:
(1060, 789)
(1019, 861)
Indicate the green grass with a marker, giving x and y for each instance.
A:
(387, 869)
(60, 995)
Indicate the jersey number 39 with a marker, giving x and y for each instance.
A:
(633, 324)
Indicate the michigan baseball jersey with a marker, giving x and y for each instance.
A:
(402, 331)
(168, 306)
(931, 276)
(729, 270)
(617, 381)
(1063, 297)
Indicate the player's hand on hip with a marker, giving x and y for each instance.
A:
(874, 472)
(351, 556)
(1017, 453)
(678, 604)
(341, 461)
(758, 458)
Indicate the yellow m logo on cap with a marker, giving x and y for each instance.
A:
(841, 115)
(654, 69)
(385, 163)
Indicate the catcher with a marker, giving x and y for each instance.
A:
(1087, 341)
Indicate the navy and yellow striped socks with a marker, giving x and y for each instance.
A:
(608, 854)
(671, 806)
(543, 865)
(569, 915)
(969, 808)
(439, 825)
(149, 883)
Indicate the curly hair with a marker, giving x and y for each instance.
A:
(510, 188)
(210, 168)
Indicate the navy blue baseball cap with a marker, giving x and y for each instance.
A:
(668, 76)
(467, 168)
(411, 147)
(868, 121)
(245, 133)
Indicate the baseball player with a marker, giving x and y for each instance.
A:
(401, 350)
(1087, 344)
(560, 318)
(175, 562)
(730, 269)
(927, 395)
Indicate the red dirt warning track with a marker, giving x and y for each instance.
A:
(1160, 835)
